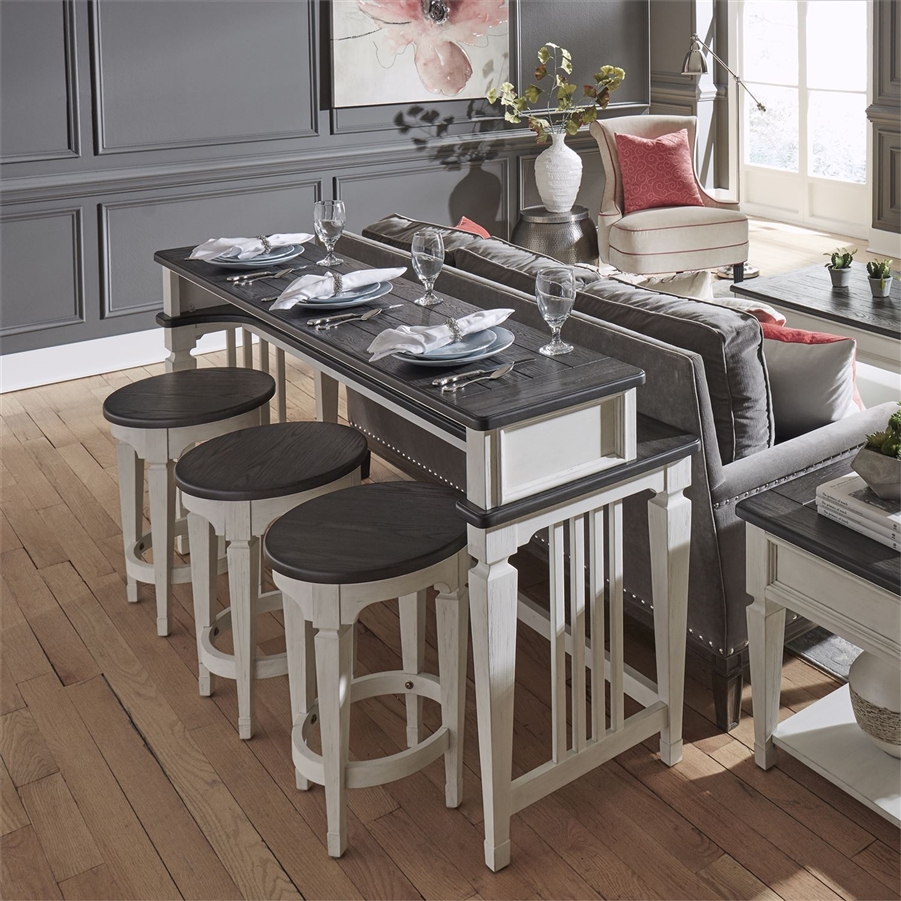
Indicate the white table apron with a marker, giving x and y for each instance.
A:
(500, 468)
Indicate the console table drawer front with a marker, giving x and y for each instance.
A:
(831, 589)
(554, 450)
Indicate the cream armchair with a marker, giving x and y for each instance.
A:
(666, 239)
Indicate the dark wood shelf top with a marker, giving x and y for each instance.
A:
(789, 512)
(810, 291)
(537, 386)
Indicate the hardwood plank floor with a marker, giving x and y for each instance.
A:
(117, 780)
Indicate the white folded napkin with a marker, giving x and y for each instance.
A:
(243, 248)
(418, 339)
(309, 286)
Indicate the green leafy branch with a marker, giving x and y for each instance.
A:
(557, 63)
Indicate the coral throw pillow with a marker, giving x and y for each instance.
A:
(467, 225)
(812, 378)
(657, 172)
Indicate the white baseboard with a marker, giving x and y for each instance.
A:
(885, 243)
(48, 365)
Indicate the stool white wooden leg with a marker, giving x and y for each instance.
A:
(264, 367)
(280, 385)
(302, 672)
(334, 662)
(247, 348)
(669, 525)
(231, 348)
(412, 642)
(204, 569)
(452, 614)
(131, 502)
(243, 589)
(161, 482)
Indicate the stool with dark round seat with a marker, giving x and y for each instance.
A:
(154, 420)
(234, 487)
(332, 558)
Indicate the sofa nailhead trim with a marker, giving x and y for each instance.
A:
(788, 478)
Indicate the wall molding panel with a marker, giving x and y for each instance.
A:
(69, 64)
(101, 76)
(27, 291)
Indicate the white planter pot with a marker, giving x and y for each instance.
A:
(558, 175)
(876, 700)
(879, 287)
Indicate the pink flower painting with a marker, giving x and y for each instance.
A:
(438, 48)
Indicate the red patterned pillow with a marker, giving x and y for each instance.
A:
(657, 172)
(467, 225)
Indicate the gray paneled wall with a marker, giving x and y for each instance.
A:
(131, 125)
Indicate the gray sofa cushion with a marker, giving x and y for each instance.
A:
(729, 342)
(397, 231)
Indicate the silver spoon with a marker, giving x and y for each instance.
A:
(498, 373)
(371, 314)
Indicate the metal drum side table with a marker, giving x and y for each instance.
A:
(569, 237)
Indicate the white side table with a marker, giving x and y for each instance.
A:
(841, 580)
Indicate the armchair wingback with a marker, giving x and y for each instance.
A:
(665, 239)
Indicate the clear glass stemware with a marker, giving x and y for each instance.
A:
(555, 291)
(328, 221)
(428, 259)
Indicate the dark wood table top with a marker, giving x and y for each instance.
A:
(538, 385)
(789, 512)
(810, 291)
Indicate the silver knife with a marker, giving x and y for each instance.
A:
(325, 320)
(448, 379)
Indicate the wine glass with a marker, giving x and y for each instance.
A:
(555, 290)
(428, 258)
(328, 221)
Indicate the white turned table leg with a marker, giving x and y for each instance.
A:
(669, 525)
(334, 660)
(204, 569)
(452, 615)
(247, 348)
(326, 397)
(231, 347)
(243, 588)
(493, 606)
(265, 412)
(131, 502)
(161, 482)
(766, 635)
(412, 642)
(301, 657)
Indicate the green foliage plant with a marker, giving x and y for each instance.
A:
(840, 258)
(557, 63)
(888, 441)
(881, 269)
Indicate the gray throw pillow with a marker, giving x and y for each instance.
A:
(397, 231)
(729, 342)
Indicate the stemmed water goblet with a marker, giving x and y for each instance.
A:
(427, 252)
(328, 221)
(555, 291)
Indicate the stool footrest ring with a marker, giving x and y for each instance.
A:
(368, 773)
(142, 571)
(222, 664)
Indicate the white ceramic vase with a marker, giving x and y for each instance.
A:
(876, 700)
(558, 175)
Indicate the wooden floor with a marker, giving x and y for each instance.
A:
(119, 781)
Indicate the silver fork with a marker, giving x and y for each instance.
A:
(498, 373)
(250, 279)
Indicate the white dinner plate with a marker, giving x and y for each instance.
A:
(470, 344)
(352, 294)
(503, 339)
(279, 255)
(331, 304)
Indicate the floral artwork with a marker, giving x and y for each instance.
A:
(410, 51)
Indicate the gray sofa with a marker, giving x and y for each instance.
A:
(705, 375)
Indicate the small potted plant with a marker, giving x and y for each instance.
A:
(839, 266)
(878, 463)
(880, 273)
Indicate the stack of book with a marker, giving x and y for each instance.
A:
(849, 501)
